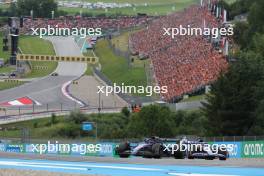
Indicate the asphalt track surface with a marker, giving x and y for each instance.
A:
(133, 166)
(47, 90)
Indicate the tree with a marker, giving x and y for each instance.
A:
(69, 130)
(255, 17)
(258, 125)
(152, 120)
(77, 117)
(53, 119)
(241, 34)
(245, 32)
(231, 106)
(189, 123)
(125, 111)
(41, 8)
(258, 44)
(13, 9)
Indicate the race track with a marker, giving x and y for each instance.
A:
(117, 169)
(47, 90)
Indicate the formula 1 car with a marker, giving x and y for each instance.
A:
(205, 151)
(157, 148)
(153, 147)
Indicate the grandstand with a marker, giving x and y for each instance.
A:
(185, 64)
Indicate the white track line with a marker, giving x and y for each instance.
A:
(65, 93)
(182, 174)
(7, 163)
(48, 165)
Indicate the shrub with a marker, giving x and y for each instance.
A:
(125, 111)
(53, 119)
(77, 117)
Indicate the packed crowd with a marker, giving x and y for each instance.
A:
(85, 22)
(184, 64)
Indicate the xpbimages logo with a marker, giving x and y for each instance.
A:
(214, 32)
(116, 89)
(209, 148)
(57, 31)
(65, 148)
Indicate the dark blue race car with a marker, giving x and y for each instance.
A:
(157, 148)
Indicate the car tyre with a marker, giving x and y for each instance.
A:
(157, 150)
(147, 154)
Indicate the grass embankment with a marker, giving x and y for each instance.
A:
(42, 130)
(194, 98)
(35, 45)
(135, 2)
(121, 41)
(230, 1)
(7, 69)
(155, 7)
(89, 70)
(8, 85)
(111, 126)
(117, 69)
(4, 6)
(64, 127)
(151, 7)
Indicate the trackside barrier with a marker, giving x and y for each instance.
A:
(2, 109)
(252, 149)
(40, 67)
(75, 149)
(236, 149)
(247, 149)
(12, 80)
(30, 57)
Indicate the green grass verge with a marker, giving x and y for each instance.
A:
(137, 2)
(89, 69)
(121, 41)
(36, 45)
(6, 69)
(40, 132)
(116, 68)
(230, 1)
(44, 129)
(154, 7)
(194, 98)
(4, 6)
(158, 8)
(8, 85)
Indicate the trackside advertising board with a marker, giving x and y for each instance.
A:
(253, 149)
(247, 149)
(88, 149)
(236, 149)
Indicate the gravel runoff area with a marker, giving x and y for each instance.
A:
(231, 162)
(86, 90)
(14, 172)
